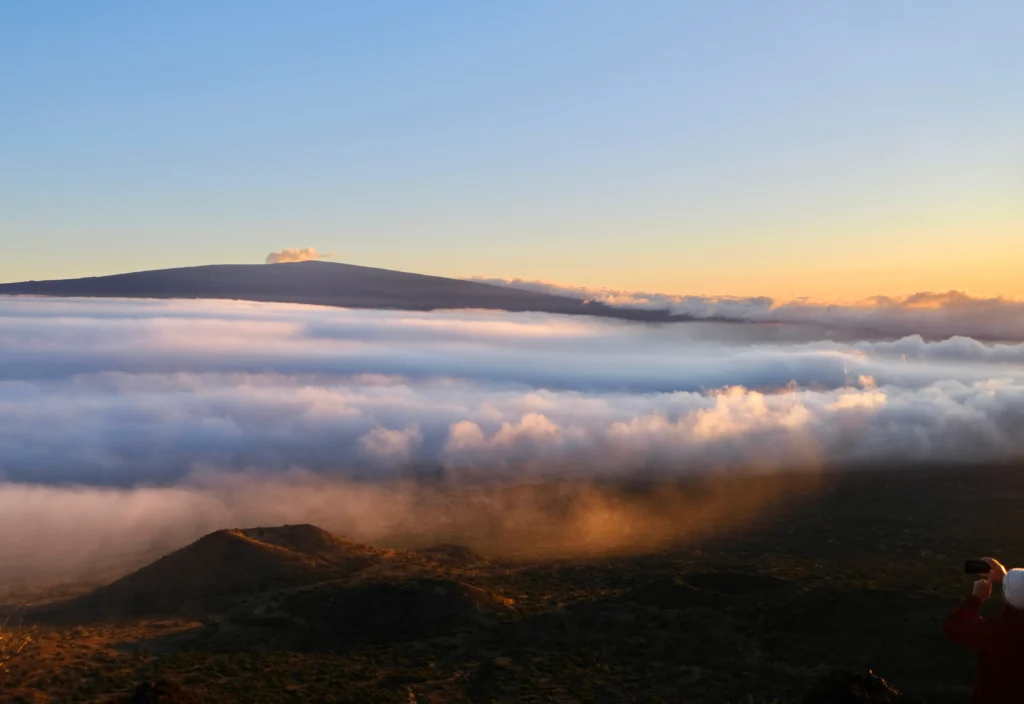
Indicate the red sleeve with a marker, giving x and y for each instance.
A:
(966, 627)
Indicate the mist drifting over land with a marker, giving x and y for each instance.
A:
(129, 426)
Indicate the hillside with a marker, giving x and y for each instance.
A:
(319, 283)
(220, 568)
(857, 577)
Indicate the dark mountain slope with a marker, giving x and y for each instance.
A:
(320, 283)
(218, 569)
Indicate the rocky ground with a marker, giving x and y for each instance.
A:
(858, 575)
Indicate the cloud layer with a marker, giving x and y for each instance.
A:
(227, 413)
(934, 315)
(122, 393)
(296, 255)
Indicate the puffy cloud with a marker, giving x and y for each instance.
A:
(392, 446)
(933, 314)
(296, 255)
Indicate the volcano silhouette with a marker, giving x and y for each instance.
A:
(323, 283)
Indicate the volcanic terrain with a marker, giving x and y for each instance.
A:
(857, 576)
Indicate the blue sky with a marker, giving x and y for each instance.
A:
(829, 149)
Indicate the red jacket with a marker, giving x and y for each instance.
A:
(999, 643)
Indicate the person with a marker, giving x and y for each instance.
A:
(998, 641)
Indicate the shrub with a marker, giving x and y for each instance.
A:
(13, 641)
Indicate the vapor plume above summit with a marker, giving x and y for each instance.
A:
(305, 254)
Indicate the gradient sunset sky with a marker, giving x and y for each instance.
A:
(827, 149)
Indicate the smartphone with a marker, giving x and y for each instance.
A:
(976, 567)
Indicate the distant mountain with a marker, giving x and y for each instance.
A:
(321, 283)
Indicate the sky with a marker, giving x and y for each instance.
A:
(835, 150)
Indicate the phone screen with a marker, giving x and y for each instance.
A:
(976, 567)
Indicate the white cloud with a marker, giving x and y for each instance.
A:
(396, 447)
(123, 393)
(296, 255)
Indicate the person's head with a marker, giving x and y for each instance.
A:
(1013, 589)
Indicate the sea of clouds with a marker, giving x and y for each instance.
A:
(932, 314)
(128, 426)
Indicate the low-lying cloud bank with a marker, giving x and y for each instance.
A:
(128, 424)
(934, 315)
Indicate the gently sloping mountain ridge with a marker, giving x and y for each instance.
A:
(322, 283)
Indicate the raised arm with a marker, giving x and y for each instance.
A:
(966, 626)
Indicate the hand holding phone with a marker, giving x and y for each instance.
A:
(977, 567)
